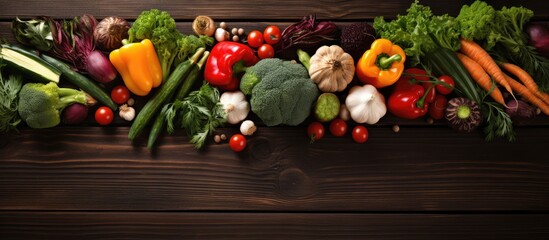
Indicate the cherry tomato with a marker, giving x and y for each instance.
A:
(315, 131)
(265, 51)
(431, 94)
(120, 94)
(360, 134)
(272, 34)
(104, 115)
(438, 107)
(255, 38)
(338, 127)
(237, 142)
(442, 88)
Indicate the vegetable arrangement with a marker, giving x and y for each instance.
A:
(481, 69)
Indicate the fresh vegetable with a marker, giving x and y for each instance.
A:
(9, 101)
(331, 68)
(265, 51)
(255, 38)
(520, 110)
(304, 58)
(80, 81)
(475, 20)
(474, 51)
(221, 35)
(237, 142)
(444, 61)
(356, 38)
(33, 33)
(74, 114)
(204, 25)
(110, 32)
(164, 93)
(463, 114)
(446, 85)
(437, 108)
(365, 104)
(481, 78)
(420, 32)
(120, 94)
(525, 78)
(338, 127)
(382, 65)
(360, 134)
(528, 95)
(227, 60)
(326, 107)
(281, 91)
(126, 112)
(40, 105)
(308, 33)
(407, 100)
(538, 35)
(139, 66)
(104, 116)
(248, 128)
(28, 64)
(315, 131)
(344, 112)
(272, 34)
(236, 106)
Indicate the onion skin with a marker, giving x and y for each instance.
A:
(100, 68)
(110, 32)
(539, 37)
(520, 110)
(74, 114)
(204, 25)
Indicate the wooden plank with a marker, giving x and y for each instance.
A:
(181, 225)
(417, 169)
(242, 10)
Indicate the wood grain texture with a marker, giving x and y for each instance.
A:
(417, 169)
(180, 225)
(244, 10)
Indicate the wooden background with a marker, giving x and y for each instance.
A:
(424, 182)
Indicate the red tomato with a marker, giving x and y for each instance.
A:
(265, 51)
(272, 34)
(104, 115)
(255, 38)
(338, 127)
(120, 94)
(315, 131)
(237, 142)
(442, 88)
(438, 107)
(360, 134)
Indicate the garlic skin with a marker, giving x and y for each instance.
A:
(344, 112)
(221, 35)
(235, 105)
(126, 112)
(247, 128)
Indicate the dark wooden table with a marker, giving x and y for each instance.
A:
(424, 182)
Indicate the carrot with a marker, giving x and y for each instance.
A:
(481, 78)
(526, 79)
(479, 55)
(527, 94)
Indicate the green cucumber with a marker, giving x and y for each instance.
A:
(81, 81)
(166, 91)
(29, 64)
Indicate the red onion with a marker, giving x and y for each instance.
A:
(75, 114)
(100, 68)
(308, 33)
(520, 109)
(539, 37)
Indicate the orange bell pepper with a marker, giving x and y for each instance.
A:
(139, 66)
(382, 65)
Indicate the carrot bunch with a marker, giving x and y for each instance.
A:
(483, 68)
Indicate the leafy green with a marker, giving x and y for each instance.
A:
(199, 114)
(9, 91)
(419, 31)
(476, 20)
(187, 45)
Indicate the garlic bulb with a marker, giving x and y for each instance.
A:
(247, 128)
(126, 112)
(235, 105)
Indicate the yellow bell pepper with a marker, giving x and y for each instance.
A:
(382, 65)
(139, 66)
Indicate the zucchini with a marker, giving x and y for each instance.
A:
(29, 64)
(163, 94)
(81, 81)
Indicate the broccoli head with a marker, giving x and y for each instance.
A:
(40, 105)
(281, 91)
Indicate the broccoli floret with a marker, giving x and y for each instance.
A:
(160, 28)
(282, 92)
(475, 20)
(40, 105)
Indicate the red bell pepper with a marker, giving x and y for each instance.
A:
(408, 97)
(225, 64)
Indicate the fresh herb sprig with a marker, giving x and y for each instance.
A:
(9, 92)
